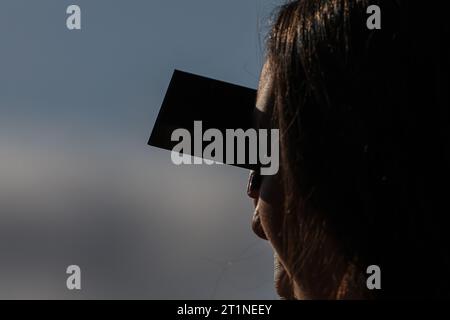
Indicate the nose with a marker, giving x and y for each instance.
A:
(254, 184)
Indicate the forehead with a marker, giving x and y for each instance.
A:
(264, 97)
(264, 100)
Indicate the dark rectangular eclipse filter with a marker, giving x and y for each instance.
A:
(217, 104)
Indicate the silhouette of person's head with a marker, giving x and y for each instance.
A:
(364, 124)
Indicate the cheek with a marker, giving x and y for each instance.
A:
(270, 209)
(271, 221)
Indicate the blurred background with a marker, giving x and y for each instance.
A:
(78, 183)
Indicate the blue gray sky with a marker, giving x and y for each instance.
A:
(79, 185)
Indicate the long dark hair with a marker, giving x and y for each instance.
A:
(364, 121)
